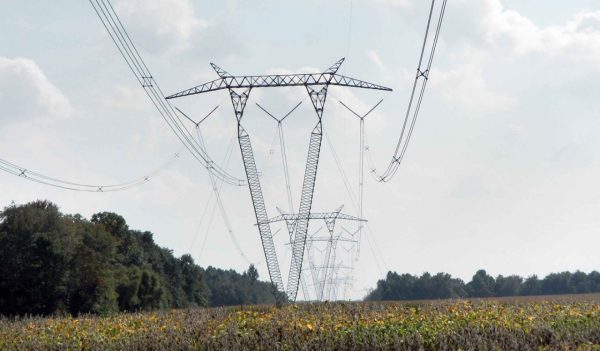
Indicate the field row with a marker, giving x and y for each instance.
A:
(450, 325)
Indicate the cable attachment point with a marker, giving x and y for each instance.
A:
(147, 82)
(424, 74)
(22, 174)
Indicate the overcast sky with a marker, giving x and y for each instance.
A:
(502, 172)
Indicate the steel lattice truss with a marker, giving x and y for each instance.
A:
(228, 81)
(325, 277)
(316, 85)
(315, 215)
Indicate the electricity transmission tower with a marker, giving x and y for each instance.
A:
(316, 85)
(322, 275)
(326, 276)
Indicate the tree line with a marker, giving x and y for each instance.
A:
(443, 286)
(52, 263)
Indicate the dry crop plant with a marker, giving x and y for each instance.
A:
(477, 325)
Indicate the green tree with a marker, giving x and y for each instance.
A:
(445, 287)
(252, 273)
(33, 269)
(594, 279)
(557, 283)
(91, 276)
(111, 222)
(482, 285)
(531, 286)
(193, 284)
(508, 286)
(150, 291)
(579, 283)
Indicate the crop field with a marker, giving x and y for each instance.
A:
(565, 323)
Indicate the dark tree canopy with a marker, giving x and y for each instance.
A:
(442, 286)
(482, 284)
(56, 263)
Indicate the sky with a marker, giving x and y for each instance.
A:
(501, 172)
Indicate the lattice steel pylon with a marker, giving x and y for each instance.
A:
(319, 274)
(316, 84)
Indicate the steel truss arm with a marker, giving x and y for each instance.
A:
(324, 238)
(329, 77)
(318, 215)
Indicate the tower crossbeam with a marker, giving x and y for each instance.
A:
(318, 215)
(283, 80)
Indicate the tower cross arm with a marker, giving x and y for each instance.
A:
(278, 80)
(344, 81)
(213, 85)
(314, 215)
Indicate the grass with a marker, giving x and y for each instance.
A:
(541, 323)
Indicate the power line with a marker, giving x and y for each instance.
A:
(350, 19)
(37, 177)
(214, 186)
(199, 226)
(213, 193)
(120, 37)
(283, 150)
(355, 205)
(361, 160)
(421, 78)
(216, 190)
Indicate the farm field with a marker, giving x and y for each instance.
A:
(534, 323)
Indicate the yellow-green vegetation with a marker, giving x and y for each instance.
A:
(446, 325)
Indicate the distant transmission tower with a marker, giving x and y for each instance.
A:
(322, 275)
(316, 85)
(333, 271)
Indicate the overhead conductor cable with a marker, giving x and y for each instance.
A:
(33, 176)
(129, 52)
(422, 76)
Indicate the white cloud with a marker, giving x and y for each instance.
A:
(471, 187)
(500, 24)
(393, 3)
(578, 39)
(466, 86)
(374, 57)
(26, 92)
(172, 27)
(161, 24)
(129, 98)
(516, 133)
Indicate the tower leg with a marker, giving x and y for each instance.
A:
(308, 186)
(333, 276)
(239, 104)
(330, 223)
